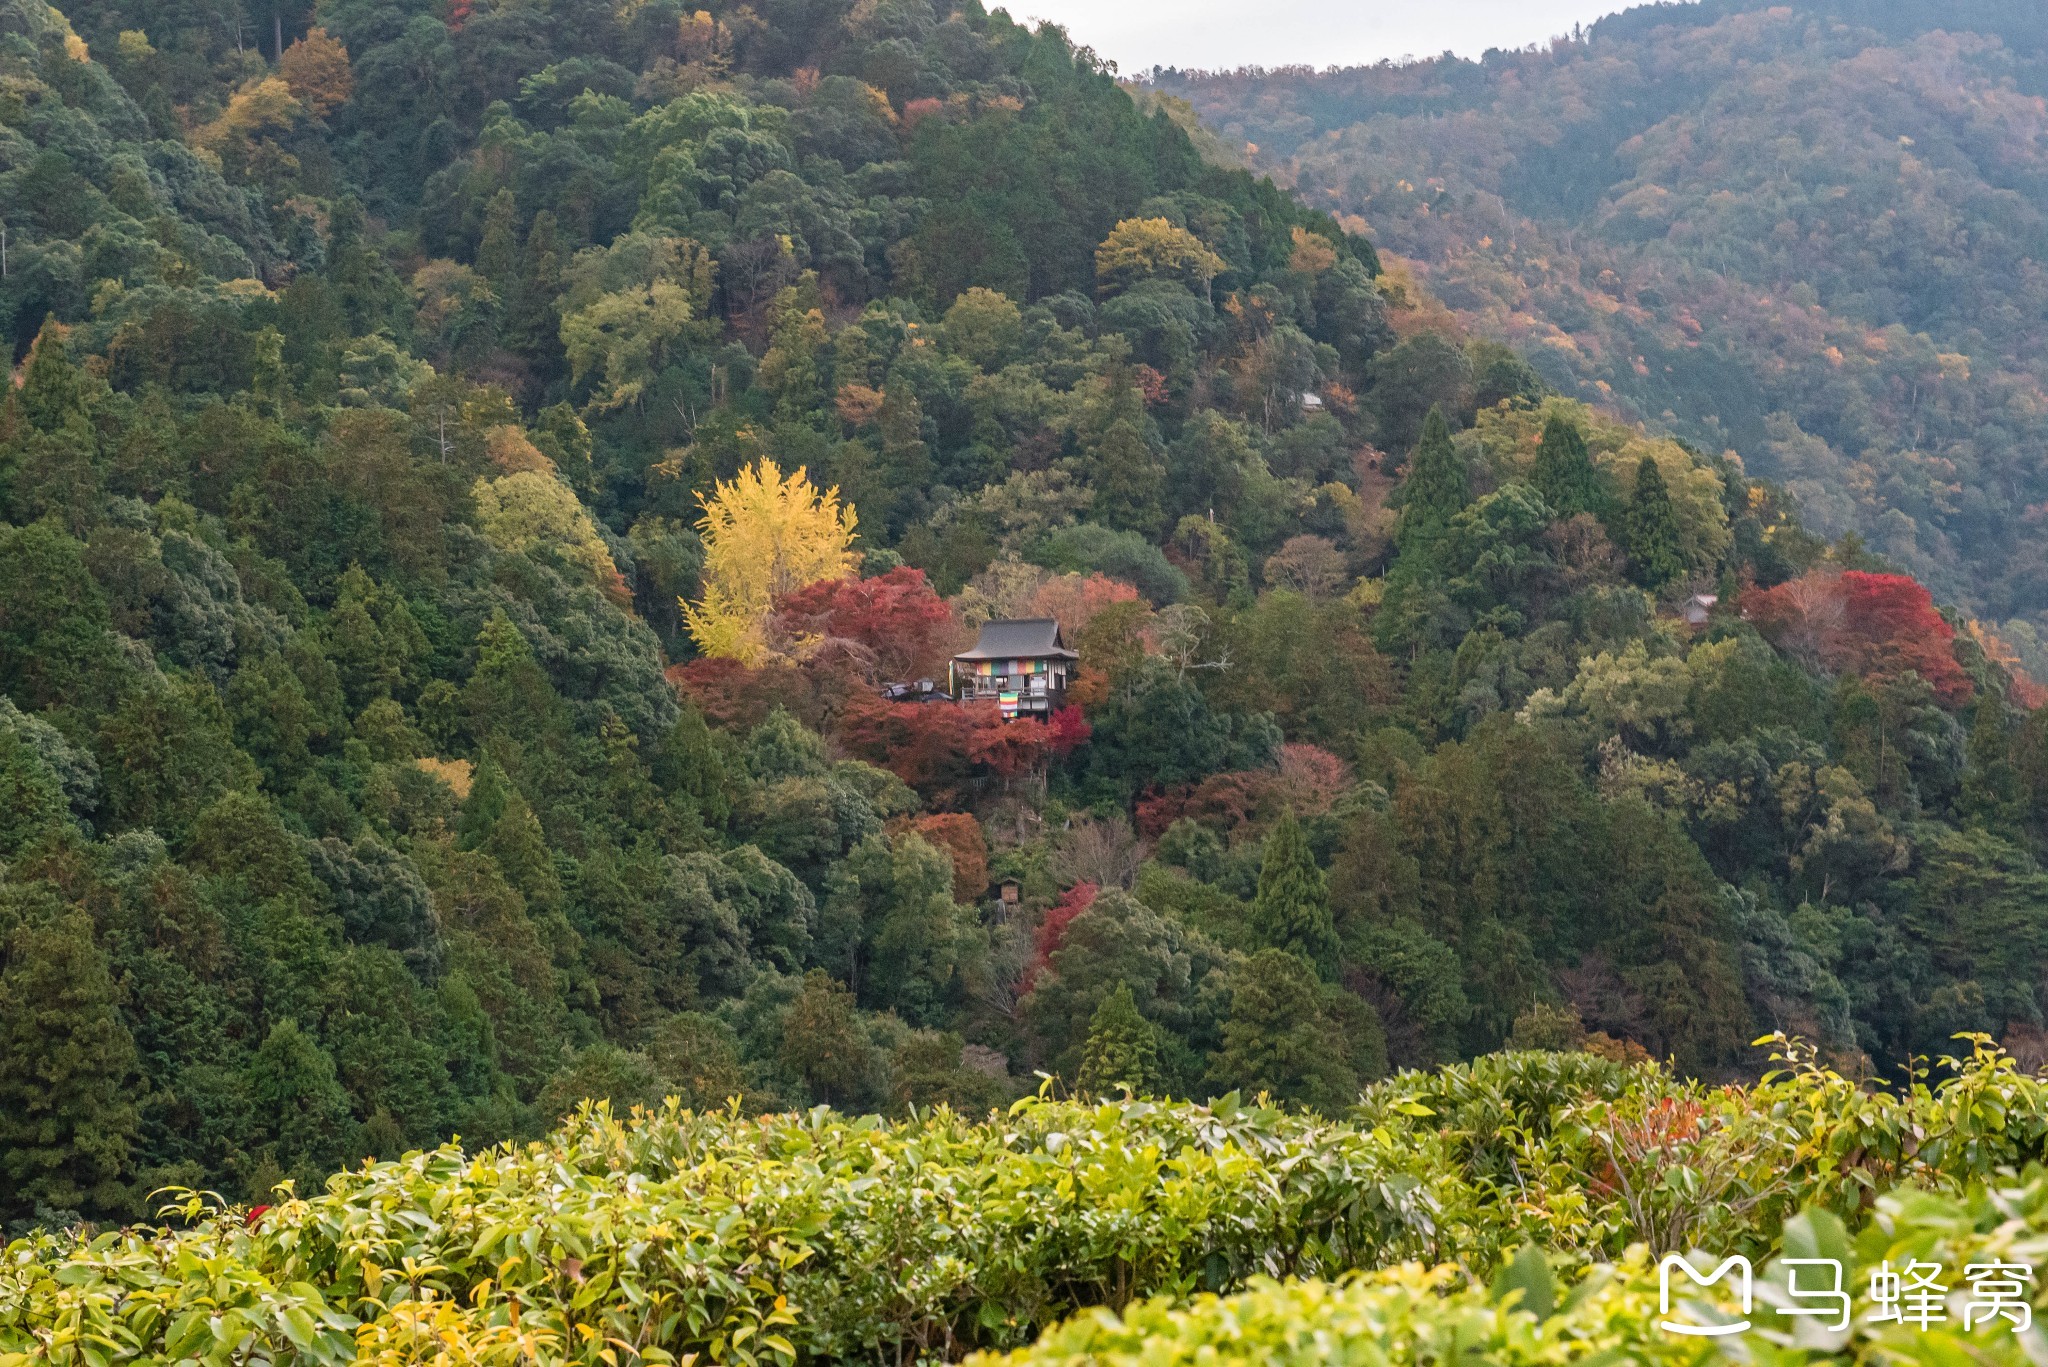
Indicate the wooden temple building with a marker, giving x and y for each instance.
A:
(1022, 665)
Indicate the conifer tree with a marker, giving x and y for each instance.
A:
(49, 471)
(1128, 476)
(532, 315)
(1118, 450)
(299, 1104)
(520, 848)
(1279, 1039)
(497, 254)
(31, 799)
(489, 791)
(1292, 908)
(373, 639)
(67, 1066)
(1564, 472)
(1436, 487)
(368, 290)
(1653, 547)
(53, 394)
(602, 1072)
(1122, 1052)
(509, 696)
(825, 1045)
(691, 768)
(698, 1056)
(906, 464)
(55, 646)
(1991, 787)
(794, 369)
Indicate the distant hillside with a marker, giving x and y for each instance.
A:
(1814, 233)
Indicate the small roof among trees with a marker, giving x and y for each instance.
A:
(1025, 638)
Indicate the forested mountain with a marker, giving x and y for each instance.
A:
(469, 475)
(1815, 233)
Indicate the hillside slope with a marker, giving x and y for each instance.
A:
(1815, 233)
(468, 480)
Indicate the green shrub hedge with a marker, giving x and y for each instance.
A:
(826, 1237)
(1417, 1315)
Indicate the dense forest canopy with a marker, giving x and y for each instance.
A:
(471, 469)
(1813, 233)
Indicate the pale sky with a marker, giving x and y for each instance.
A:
(1136, 34)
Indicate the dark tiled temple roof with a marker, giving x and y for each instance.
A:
(1027, 638)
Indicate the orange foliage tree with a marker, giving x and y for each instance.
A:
(1075, 600)
(1239, 805)
(733, 696)
(317, 70)
(941, 749)
(959, 835)
(2021, 687)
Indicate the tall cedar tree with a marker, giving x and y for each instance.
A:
(1292, 908)
(1436, 487)
(825, 1045)
(1991, 787)
(67, 1066)
(53, 393)
(1653, 547)
(1122, 1052)
(1565, 474)
(300, 1106)
(1279, 1039)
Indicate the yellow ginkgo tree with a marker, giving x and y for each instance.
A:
(764, 534)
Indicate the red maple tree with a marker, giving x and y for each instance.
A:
(1875, 626)
(927, 745)
(890, 628)
(1052, 928)
(1069, 731)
